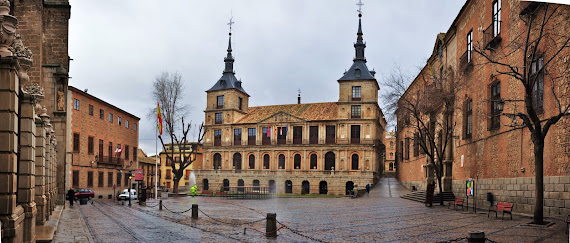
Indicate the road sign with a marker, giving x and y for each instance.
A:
(139, 175)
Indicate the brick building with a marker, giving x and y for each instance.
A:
(97, 130)
(166, 176)
(148, 165)
(318, 148)
(494, 149)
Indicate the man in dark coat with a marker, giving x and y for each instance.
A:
(71, 196)
(429, 193)
(367, 188)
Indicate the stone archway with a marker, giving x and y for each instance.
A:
(323, 187)
(288, 186)
(237, 161)
(349, 187)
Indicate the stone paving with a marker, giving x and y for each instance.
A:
(381, 216)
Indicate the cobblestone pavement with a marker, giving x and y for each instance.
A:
(71, 227)
(380, 216)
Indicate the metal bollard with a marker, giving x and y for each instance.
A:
(476, 236)
(194, 211)
(160, 205)
(271, 225)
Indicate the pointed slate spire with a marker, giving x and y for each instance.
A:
(359, 45)
(358, 70)
(229, 60)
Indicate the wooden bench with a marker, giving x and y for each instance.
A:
(501, 207)
(457, 202)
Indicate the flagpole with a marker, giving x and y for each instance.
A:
(156, 164)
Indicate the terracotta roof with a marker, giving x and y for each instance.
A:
(308, 112)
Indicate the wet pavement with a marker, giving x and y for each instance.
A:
(381, 216)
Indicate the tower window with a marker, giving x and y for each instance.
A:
(357, 73)
(237, 136)
(217, 137)
(240, 102)
(355, 111)
(220, 104)
(219, 118)
(356, 93)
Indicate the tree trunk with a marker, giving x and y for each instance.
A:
(439, 175)
(539, 184)
(175, 188)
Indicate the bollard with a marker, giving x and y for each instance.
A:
(160, 205)
(271, 225)
(194, 211)
(476, 236)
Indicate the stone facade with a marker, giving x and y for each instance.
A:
(499, 154)
(390, 142)
(165, 174)
(148, 164)
(97, 130)
(318, 148)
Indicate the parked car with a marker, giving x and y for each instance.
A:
(84, 193)
(125, 195)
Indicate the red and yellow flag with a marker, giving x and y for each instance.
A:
(159, 117)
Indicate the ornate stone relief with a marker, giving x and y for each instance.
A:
(8, 26)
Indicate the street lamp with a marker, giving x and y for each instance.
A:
(130, 177)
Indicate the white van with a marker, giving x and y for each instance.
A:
(125, 195)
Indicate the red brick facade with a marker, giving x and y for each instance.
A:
(103, 158)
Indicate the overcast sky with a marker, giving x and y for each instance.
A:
(119, 47)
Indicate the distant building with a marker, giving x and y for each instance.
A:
(390, 143)
(103, 144)
(317, 148)
(166, 175)
(148, 165)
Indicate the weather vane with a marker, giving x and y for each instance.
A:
(359, 6)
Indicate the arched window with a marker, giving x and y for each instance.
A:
(323, 187)
(355, 161)
(205, 185)
(240, 185)
(297, 161)
(217, 161)
(329, 161)
(281, 161)
(391, 144)
(272, 186)
(237, 161)
(226, 185)
(391, 155)
(349, 187)
(313, 161)
(266, 161)
(255, 185)
(288, 186)
(251, 161)
(306, 189)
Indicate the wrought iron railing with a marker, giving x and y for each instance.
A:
(466, 60)
(491, 36)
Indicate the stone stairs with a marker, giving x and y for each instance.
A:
(420, 196)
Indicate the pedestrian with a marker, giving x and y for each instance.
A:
(71, 196)
(429, 193)
(367, 188)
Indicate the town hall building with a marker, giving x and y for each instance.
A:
(315, 148)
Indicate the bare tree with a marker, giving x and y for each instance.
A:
(427, 108)
(168, 92)
(536, 55)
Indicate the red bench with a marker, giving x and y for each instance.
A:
(456, 203)
(501, 207)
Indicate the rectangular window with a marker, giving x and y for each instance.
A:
(407, 147)
(469, 46)
(75, 178)
(100, 150)
(90, 145)
(297, 135)
(330, 135)
(220, 104)
(314, 135)
(75, 104)
(101, 114)
(135, 156)
(168, 174)
(416, 145)
(355, 134)
(110, 152)
(356, 93)
(127, 123)
(219, 118)
(537, 77)
(251, 136)
(119, 177)
(401, 152)
(168, 161)
(217, 137)
(281, 135)
(495, 103)
(237, 136)
(355, 111)
(76, 142)
(496, 18)
(109, 179)
(266, 136)
(187, 175)
(91, 110)
(90, 179)
(127, 181)
(101, 179)
(127, 152)
(135, 126)
(110, 117)
(240, 102)
(119, 120)
(468, 124)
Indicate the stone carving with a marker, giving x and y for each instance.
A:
(60, 98)
(35, 90)
(8, 26)
(18, 49)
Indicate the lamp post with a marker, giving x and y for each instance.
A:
(130, 177)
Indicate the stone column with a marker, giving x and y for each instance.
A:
(40, 190)
(27, 167)
(11, 215)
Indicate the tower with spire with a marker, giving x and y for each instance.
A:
(226, 100)
(358, 88)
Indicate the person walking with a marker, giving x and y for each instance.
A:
(71, 196)
(429, 193)
(367, 188)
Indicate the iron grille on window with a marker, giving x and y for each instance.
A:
(297, 135)
(219, 118)
(355, 111)
(251, 136)
(356, 93)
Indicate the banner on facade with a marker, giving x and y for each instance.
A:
(139, 175)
